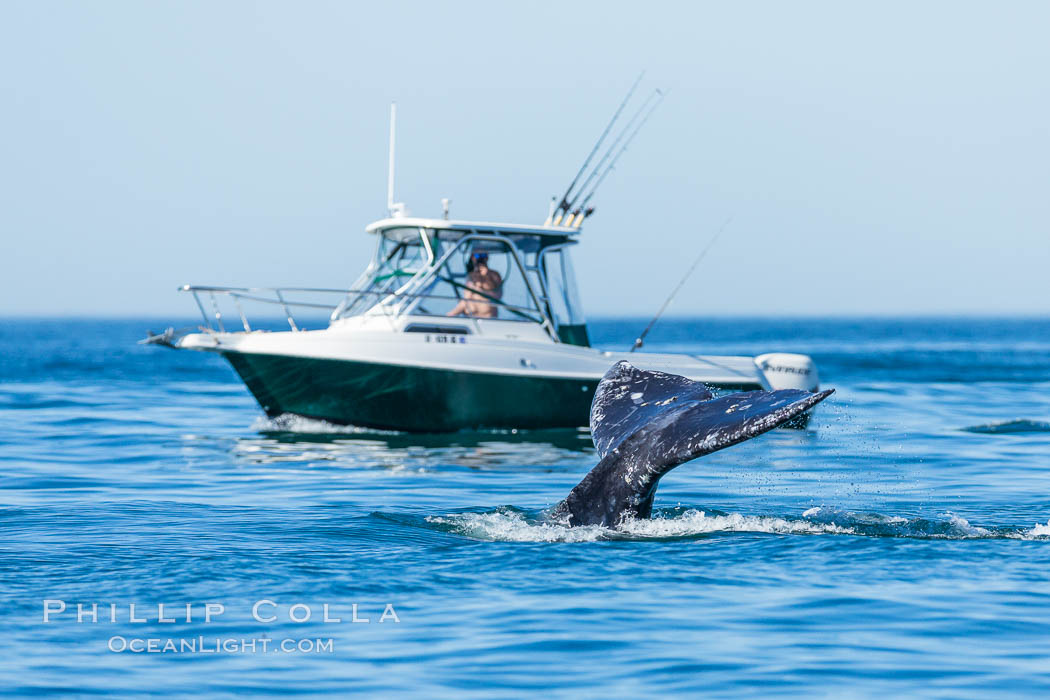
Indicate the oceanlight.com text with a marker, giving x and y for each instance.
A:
(218, 645)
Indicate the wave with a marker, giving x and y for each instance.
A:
(1011, 426)
(507, 524)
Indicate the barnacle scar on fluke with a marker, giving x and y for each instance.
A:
(644, 424)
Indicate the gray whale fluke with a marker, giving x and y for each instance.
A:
(644, 424)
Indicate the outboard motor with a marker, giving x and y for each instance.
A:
(788, 371)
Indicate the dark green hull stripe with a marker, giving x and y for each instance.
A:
(418, 399)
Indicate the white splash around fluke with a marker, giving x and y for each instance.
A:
(510, 525)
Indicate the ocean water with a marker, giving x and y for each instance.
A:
(899, 545)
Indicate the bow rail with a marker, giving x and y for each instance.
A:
(285, 298)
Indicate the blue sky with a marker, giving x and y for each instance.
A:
(880, 159)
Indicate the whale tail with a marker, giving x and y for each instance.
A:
(644, 424)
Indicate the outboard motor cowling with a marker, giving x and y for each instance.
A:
(789, 371)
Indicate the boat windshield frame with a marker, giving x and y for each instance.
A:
(362, 288)
(405, 299)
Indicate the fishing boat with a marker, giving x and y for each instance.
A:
(454, 324)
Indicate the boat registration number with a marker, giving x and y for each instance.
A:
(445, 339)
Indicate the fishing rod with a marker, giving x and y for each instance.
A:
(641, 339)
(612, 149)
(565, 206)
(659, 95)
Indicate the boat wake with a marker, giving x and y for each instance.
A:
(1011, 426)
(513, 525)
(294, 424)
(491, 446)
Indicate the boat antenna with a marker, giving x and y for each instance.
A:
(564, 206)
(582, 212)
(394, 208)
(640, 340)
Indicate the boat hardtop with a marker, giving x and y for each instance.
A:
(463, 227)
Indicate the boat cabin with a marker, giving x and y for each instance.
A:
(422, 268)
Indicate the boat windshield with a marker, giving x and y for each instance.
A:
(400, 255)
(474, 273)
(479, 277)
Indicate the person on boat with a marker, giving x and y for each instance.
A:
(483, 285)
